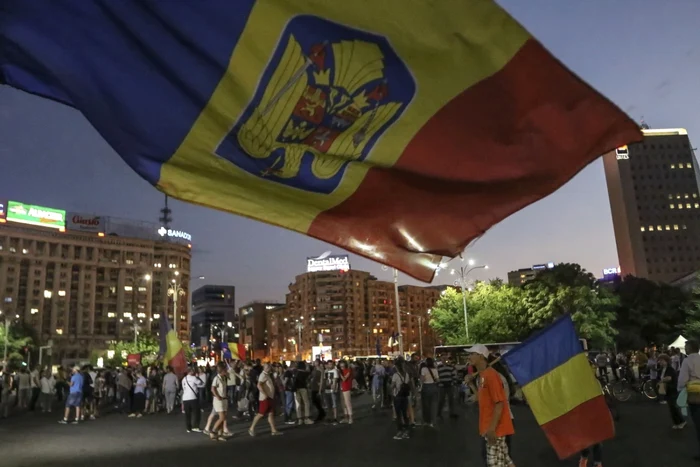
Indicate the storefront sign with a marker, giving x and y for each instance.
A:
(163, 232)
(85, 222)
(325, 262)
(36, 215)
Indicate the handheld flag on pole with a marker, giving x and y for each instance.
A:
(171, 347)
(561, 389)
(234, 350)
(323, 117)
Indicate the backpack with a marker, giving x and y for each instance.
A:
(405, 388)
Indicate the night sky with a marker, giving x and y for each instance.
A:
(642, 54)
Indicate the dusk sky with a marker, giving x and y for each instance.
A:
(644, 55)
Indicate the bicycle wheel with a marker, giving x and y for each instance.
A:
(621, 391)
(649, 390)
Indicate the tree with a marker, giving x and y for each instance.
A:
(447, 317)
(650, 313)
(691, 326)
(20, 341)
(147, 345)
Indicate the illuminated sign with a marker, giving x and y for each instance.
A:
(622, 153)
(36, 215)
(322, 352)
(85, 222)
(538, 267)
(163, 232)
(611, 271)
(325, 262)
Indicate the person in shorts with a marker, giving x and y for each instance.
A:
(220, 401)
(266, 401)
(75, 396)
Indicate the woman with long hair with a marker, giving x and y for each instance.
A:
(401, 387)
(429, 379)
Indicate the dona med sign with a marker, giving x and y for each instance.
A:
(326, 262)
(36, 215)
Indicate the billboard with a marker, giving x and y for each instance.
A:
(3, 210)
(322, 352)
(326, 262)
(85, 222)
(36, 215)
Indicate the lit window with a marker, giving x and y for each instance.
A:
(678, 196)
(688, 165)
(142, 289)
(156, 316)
(670, 196)
(127, 315)
(141, 315)
(24, 251)
(684, 227)
(687, 205)
(34, 311)
(686, 196)
(59, 331)
(680, 206)
(111, 315)
(668, 227)
(128, 288)
(156, 265)
(651, 228)
(129, 261)
(675, 226)
(695, 195)
(673, 166)
(658, 227)
(61, 293)
(47, 294)
(641, 228)
(672, 206)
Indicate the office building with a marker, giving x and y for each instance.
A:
(521, 276)
(213, 307)
(253, 330)
(653, 191)
(81, 285)
(354, 313)
(277, 334)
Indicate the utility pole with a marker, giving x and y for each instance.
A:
(398, 311)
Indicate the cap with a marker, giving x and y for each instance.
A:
(480, 349)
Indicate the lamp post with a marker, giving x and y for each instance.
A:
(398, 311)
(461, 281)
(175, 290)
(300, 327)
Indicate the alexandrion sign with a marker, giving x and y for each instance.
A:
(326, 262)
(163, 232)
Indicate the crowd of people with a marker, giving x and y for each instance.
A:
(415, 391)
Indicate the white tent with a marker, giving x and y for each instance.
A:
(679, 343)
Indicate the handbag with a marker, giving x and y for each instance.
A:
(693, 388)
(662, 389)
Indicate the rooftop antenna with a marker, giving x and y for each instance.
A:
(166, 218)
(643, 125)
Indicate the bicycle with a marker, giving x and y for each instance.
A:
(609, 399)
(622, 390)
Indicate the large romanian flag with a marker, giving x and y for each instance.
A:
(234, 350)
(561, 389)
(399, 130)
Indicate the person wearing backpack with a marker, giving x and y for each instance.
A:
(401, 389)
(191, 385)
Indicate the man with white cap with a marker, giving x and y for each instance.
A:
(494, 413)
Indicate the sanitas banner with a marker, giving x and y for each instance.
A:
(36, 215)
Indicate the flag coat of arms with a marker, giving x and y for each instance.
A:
(561, 388)
(398, 132)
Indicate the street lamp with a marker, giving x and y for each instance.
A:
(300, 327)
(175, 290)
(461, 281)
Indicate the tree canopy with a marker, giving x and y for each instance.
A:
(19, 338)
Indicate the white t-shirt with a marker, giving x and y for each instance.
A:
(429, 375)
(93, 377)
(219, 383)
(265, 380)
(170, 382)
(34, 379)
(47, 384)
(23, 381)
(231, 381)
(190, 386)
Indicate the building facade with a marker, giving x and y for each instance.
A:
(521, 276)
(84, 290)
(355, 314)
(253, 329)
(212, 305)
(655, 204)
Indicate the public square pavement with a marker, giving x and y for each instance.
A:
(644, 438)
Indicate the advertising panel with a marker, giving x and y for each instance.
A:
(36, 215)
(322, 352)
(85, 222)
(326, 262)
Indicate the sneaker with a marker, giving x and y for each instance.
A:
(196, 430)
(345, 420)
(290, 422)
(188, 431)
(63, 422)
(308, 421)
(132, 415)
(251, 433)
(406, 435)
(682, 425)
(350, 421)
(139, 415)
(276, 433)
(398, 435)
(74, 422)
(92, 417)
(206, 432)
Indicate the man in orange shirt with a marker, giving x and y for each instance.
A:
(495, 422)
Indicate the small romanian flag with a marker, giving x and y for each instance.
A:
(562, 391)
(362, 123)
(234, 351)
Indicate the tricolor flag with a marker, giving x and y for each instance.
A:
(234, 350)
(561, 389)
(171, 347)
(363, 123)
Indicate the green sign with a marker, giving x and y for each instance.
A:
(36, 215)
